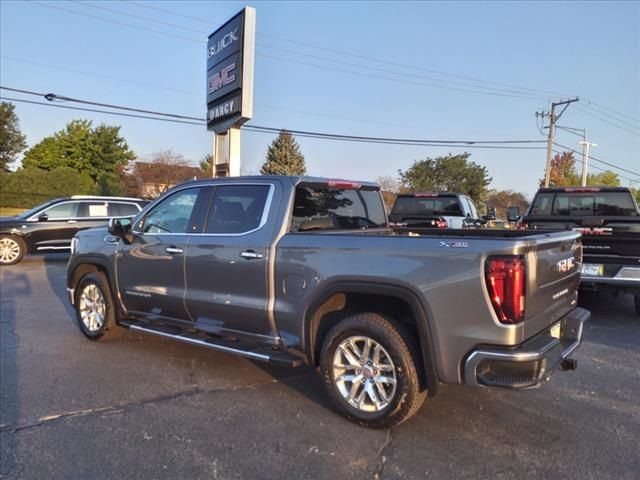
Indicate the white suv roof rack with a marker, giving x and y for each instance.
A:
(100, 197)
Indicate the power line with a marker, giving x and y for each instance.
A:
(506, 144)
(590, 102)
(159, 22)
(587, 112)
(595, 167)
(521, 95)
(613, 117)
(158, 9)
(117, 22)
(597, 159)
(515, 92)
(120, 114)
(398, 80)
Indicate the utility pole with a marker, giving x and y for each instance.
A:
(585, 158)
(553, 118)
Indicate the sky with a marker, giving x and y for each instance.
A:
(390, 69)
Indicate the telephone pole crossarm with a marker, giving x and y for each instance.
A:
(553, 118)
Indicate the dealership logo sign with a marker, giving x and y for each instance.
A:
(222, 78)
(223, 43)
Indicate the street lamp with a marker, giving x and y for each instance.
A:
(585, 159)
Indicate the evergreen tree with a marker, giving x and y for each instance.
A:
(284, 157)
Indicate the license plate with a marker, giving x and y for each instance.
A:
(555, 330)
(592, 269)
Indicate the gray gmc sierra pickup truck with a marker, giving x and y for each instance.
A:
(295, 270)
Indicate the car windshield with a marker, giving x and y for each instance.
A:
(35, 210)
(427, 206)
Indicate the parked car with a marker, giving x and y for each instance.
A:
(294, 270)
(608, 219)
(434, 210)
(52, 225)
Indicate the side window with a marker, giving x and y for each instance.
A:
(122, 209)
(172, 214)
(472, 207)
(92, 209)
(237, 208)
(62, 210)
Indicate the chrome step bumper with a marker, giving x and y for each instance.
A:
(530, 364)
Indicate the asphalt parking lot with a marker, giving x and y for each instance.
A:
(144, 407)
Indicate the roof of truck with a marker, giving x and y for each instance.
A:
(295, 180)
(576, 189)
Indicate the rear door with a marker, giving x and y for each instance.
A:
(91, 214)
(150, 268)
(226, 267)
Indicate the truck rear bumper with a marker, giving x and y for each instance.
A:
(531, 363)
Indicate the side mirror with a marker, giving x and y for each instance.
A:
(513, 214)
(119, 227)
(491, 213)
(43, 217)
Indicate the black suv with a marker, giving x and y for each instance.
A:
(51, 226)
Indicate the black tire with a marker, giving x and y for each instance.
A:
(636, 301)
(109, 329)
(13, 242)
(408, 396)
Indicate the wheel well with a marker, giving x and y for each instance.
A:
(81, 270)
(345, 304)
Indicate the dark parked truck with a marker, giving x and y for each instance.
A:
(299, 270)
(609, 220)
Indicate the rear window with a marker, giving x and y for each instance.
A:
(427, 206)
(335, 209)
(584, 204)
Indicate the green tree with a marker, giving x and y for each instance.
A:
(206, 164)
(606, 178)
(29, 187)
(110, 184)
(89, 150)
(284, 157)
(12, 141)
(450, 173)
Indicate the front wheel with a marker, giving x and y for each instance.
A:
(12, 249)
(95, 310)
(369, 371)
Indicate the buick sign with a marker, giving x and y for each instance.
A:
(229, 81)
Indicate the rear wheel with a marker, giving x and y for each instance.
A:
(95, 310)
(369, 370)
(12, 249)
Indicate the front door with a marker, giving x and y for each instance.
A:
(150, 268)
(227, 265)
(56, 226)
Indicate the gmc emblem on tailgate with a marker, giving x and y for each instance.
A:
(594, 231)
(566, 265)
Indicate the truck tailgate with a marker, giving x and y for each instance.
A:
(554, 275)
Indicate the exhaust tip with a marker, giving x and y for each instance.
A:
(569, 364)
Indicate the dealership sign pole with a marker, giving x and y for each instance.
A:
(230, 60)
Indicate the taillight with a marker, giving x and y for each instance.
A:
(442, 223)
(505, 277)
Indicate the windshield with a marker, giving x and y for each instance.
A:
(584, 204)
(333, 209)
(427, 206)
(34, 210)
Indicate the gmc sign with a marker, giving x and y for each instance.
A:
(230, 58)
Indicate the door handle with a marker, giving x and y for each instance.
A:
(250, 254)
(173, 250)
(72, 221)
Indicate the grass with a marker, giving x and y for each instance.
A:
(10, 211)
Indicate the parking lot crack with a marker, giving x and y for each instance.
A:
(382, 455)
(124, 407)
